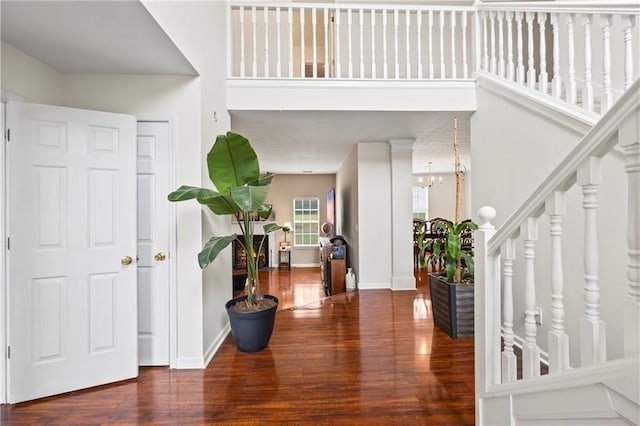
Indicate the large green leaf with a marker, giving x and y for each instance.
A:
(264, 179)
(185, 192)
(249, 198)
(270, 227)
(265, 211)
(232, 162)
(468, 260)
(220, 204)
(453, 246)
(450, 266)
(213, 247)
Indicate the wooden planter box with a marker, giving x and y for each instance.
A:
(452, 306)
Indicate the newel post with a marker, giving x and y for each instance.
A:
(487, 308)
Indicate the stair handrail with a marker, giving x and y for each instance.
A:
(597, 142)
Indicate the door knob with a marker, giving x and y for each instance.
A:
(127, 260)
(160, 256)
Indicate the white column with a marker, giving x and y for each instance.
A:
(520, 66)
(242, 64)
(385, 64)
(314, 43)
(349, 43)
(278, 45)
(531, 66)
(327, 73)
(587, 95)
(254, 64)
(629, 140)
(361, 51)
(509, 361)
(571, 51)
(373, 44)
(558, 339)
(290, 27)
(530, 349)
(408, 43)
(510, 65)
(265, 19)
(442, 68)
(431, 66)
(454, 70)
(419, 42)
(395, 44)
(302, 44)
(492, 30)
(628, 22)
(593, 341)
(607, 95)
(556, 81)
(465, 65)
(544, 77)
(402, 277)
(501, 63)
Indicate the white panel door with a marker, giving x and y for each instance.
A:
(72, 229)
(153, 243)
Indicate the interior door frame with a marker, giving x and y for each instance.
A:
(173, 227)
(6, 96)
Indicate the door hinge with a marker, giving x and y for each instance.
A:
(8, 135)
(8, 352)
(8, 243)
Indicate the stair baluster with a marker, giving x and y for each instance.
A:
(593, 338)
(558, 339)
(530, 349)
(509, 361)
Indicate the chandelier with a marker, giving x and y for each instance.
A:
(431, 179)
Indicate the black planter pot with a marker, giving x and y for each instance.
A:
(452, 306)
(252, 330)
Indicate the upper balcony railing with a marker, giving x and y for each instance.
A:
(314, 40)
(579, 53)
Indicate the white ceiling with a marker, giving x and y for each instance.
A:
(111, 37)
(121, 37)
(318, 141)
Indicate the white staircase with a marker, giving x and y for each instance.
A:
(599, 390)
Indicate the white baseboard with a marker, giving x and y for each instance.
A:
(200, 363)
(190, 362)
(217, 342)
(373, 286)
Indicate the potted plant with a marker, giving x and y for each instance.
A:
(240, 191)
(452, 292)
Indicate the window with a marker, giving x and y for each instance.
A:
(306, 221)
(420, 202)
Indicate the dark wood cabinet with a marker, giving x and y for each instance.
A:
(338, 268)
(332, 271)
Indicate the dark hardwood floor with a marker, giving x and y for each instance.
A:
(369, 357)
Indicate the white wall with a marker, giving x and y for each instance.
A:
(199, 30)
(347, 209)
(512, 151)
(374, 215)
(29, 78)
(442, 197)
